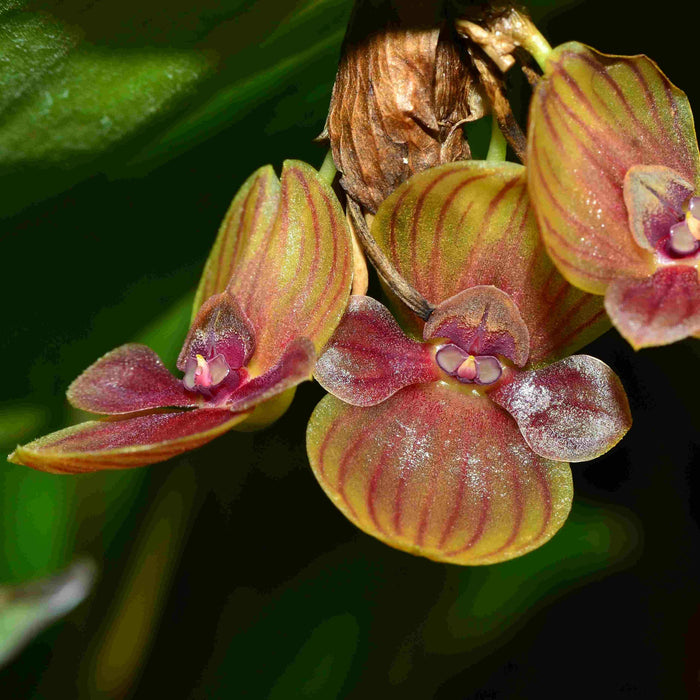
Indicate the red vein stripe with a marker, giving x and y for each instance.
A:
(477, 228)
(438, 473)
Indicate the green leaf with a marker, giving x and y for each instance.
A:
(81, 92)
(27, 609)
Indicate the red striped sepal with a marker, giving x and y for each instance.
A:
(439, 473)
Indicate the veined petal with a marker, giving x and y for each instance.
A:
(439, 473)
(656, 310)
(482, 320)
(128, 379)
(221, 326)
(295, 366)
(466, 224)
(369, 357)
(573, 410)
(593, 117)
(285, 252)
(654, 195)
(125, 443)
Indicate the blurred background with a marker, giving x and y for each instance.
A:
(125, 129)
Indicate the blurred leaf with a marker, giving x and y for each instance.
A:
(19, 421)
(323, 662)
(91, 101)
(27, 609)
(78, 82)
(122, 644)
(480, 605)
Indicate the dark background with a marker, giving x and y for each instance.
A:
(227, 573)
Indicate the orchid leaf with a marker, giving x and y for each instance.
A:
(440, 473)
(369, 358)
(482, 320)
(656, 310)
(27, 609)
(573, 410)
(592, 118)
(285, 252)
(467, 224)
(129, 442)
(128, 379)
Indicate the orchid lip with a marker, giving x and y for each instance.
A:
(467, 368)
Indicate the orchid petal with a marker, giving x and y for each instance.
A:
(221, 327)
(654, 195)
(122, 444)
(482, 320)
(128, 379)
(284, 250)
(439, 473)
(592, 118)
(656, 310)
(295, 366)
(467, 224)
(369, 357)
(573, 410)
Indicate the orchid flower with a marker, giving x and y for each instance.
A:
(450, 439)
(614, 177)
(273, 290)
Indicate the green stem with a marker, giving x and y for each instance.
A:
(498, 144)
(328, 170)
(535, 44)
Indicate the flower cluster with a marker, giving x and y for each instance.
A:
(447, 432)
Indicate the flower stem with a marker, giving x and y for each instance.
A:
(535, 44)
(327, 171)
(498, 144)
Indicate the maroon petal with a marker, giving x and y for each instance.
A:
(128, 379)
(369, 357)
(482, 320)
(295, 366)
(656, 310)
(221, 327)
(572, 411)
(654, 196)
(125, 443)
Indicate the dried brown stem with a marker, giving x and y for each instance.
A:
(408, 295)
(493, 85)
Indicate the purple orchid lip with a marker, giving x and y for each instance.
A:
(467, 368)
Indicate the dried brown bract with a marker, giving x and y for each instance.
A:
(403, 89)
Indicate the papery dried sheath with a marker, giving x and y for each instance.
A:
(402, 91)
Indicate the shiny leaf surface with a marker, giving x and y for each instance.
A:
(439, 473)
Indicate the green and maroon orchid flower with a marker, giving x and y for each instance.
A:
(614, 177)
(449, 439)
(273, 291)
